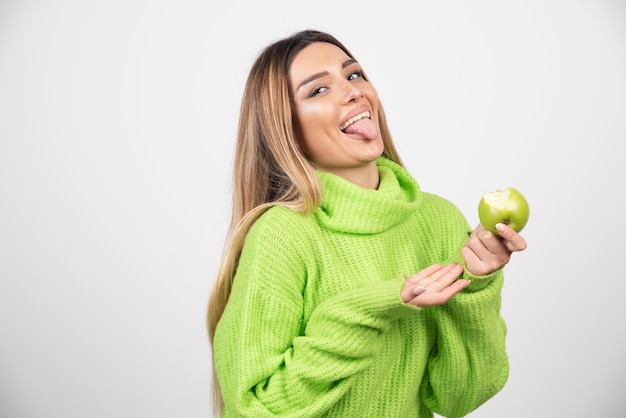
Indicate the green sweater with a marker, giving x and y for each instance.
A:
(315, 325)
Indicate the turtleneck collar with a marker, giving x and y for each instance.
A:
(349, 208)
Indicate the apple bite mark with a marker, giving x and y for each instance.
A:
(361, 125)
(506, 206)
(497, 200)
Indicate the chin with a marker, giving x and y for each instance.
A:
(375, 153)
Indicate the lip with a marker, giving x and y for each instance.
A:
(355, 112)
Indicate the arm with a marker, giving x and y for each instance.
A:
(469, 364)
(268, 361)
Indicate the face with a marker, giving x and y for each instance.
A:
(336, 112)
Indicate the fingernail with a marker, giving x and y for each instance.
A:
(418, 290)
(500, 227)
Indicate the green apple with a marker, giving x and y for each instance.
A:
(507, 206)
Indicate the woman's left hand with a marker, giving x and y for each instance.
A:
(484, 252)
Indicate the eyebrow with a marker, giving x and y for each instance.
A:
(315, 76)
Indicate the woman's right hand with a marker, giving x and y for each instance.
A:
(435, 285)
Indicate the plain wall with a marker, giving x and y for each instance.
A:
(117, 128)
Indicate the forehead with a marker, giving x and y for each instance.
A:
(315, 58)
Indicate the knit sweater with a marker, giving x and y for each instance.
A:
(315, 325)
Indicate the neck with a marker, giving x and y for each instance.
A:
(365, 176)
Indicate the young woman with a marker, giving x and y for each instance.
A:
(336, 295)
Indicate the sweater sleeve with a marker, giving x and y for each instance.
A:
(267, 361)
(469, 364)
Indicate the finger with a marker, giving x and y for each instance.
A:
(485, 253)
(511, 239)
(485, 245)
(428, 298)
(430, 277)
(418, 290)
(442, 277)
(409, 292)
(469, 256)
(420, 275)
(478, 228)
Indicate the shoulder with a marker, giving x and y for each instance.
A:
(281, 229)
(434, 202)
(278, 244)
(441, 212)
(281, 219)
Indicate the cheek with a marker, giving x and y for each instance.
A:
(305, 115)
(372, 96)
(303, 127)
(314, 119)
(315, 112)
(308, 116)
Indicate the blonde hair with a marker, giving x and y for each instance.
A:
(269, 167)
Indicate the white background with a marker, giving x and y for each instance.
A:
(117, 127)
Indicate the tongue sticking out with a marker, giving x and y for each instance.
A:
(364, 127)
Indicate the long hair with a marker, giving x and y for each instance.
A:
(269, 166)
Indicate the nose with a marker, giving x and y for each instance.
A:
(352, 92)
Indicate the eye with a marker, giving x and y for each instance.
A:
(318, 90)
(355, 74)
